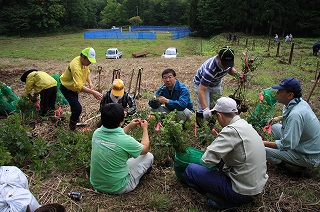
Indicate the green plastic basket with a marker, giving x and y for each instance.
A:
(183, 159)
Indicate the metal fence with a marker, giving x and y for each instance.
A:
(113, 34)
(138, 32)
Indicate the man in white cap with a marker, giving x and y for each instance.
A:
(240, 158)
(73, 81)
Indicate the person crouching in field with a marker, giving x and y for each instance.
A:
(41, 83)
(297, 139)
(117, 94)
(118, 161)
(315, 48)
(240, 160)
(174, 95)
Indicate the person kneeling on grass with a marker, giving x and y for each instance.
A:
(118, 161)
(174, 95)
(240, 159)
(297, 139)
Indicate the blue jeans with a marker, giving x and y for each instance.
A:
(212, 94)
(72, 98)
(214, 183)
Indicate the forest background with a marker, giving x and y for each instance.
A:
(204, 17)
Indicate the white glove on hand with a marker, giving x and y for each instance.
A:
(207, 113)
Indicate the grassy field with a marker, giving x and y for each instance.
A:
(160, 191)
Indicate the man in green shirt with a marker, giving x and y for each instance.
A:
(118, 161)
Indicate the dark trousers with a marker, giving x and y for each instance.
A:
(72, 98)
(315, 50)
(216, 184)
(48, 100)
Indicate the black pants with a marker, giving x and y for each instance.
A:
(72, 98)
(315, 50)
(47, 101)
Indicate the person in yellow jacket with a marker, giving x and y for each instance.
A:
(73, 81)
(40, 82)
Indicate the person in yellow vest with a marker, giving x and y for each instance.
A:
(73, 81)
(39, 82)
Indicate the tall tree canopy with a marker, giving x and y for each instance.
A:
(205, 17)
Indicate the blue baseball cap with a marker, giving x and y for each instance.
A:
(290, 84)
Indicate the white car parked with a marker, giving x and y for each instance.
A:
(171, 52)
(113, 53)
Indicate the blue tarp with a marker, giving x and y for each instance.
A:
(118, 35)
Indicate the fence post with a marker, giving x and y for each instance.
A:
(291, 53)
(277, 55)
(131, 80)
(269, 44)
(99, 82)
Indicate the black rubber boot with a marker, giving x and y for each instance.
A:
(199, 119)
(72, 125)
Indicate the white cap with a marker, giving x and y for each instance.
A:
(225, 105)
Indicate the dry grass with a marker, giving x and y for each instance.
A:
(160, 190)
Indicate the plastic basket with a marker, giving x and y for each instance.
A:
(183, 159)
(7, 99)
(264, 110)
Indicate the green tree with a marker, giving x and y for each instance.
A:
(112, 15)
(135, 21)
(91, 6)
(193, 21)
(211, 19)
(14, 17)
(76, 13)
(45, 15)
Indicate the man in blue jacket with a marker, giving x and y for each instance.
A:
(174, 95)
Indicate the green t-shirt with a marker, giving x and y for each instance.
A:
(111, 148)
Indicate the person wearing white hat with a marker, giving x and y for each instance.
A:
(73, 81)
(240, 158)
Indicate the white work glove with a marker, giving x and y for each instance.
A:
(207, 113)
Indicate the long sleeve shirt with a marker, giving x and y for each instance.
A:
(300, 129)
(38, 81)
(75, 76)
(126, 101)
(179, 97)
(244, 155)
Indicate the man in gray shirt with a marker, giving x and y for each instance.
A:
(240, 158)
